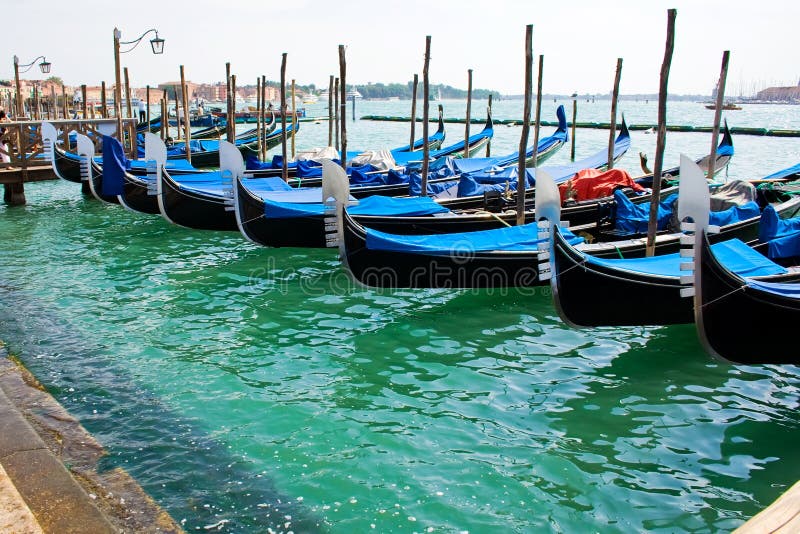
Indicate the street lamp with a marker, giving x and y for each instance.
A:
(44, 66)
(156, 43)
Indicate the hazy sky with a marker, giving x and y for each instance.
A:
(385, 40)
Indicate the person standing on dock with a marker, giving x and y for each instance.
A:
(142, 111)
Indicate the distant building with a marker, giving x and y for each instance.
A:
(780, 94)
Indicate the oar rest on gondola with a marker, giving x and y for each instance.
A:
(592, 287)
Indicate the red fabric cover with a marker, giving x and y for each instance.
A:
(592, 183)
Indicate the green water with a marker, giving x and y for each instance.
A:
(249, 388)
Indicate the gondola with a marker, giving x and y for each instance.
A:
(449, 260)
(591, 291)
(500, 258)
(204, 201)
(268, 221)
(185, 200)
(309, 173)
(742, 320)
(475, 144)
(89, 174)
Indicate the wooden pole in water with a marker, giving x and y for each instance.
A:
(129, 105)
(489, 143)
(336, 110)
(20, 111)
(51, 106)
(258, 114)
(526, 124)
(233, 108)
(285, 167)
(330, 110)
(426, 104)
(36, 102)
(469, 113)
(723, 75)
(103, 101)
(413, 111)
(574, 118)
(229, 119)
(177, 110)
(64, 101)
(84, 102)
(263, 154)
(186, 121)
(343, 103)
(661, 139)
(147, 93)
(294, 115)
(164, 119)
(538, 113)
(613, 129)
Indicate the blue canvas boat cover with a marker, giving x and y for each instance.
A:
(771, 226)
(734, 254)
(261, 185)
(372, 205)
(114, 165)
(785, 173)
(787, 246)
(742, 212)
(633, 218)
(523, 238)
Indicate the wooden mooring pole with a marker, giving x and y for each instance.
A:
(489, 111)
(426, 105)
(612, 133)
(414, 86)
(230, 120)
(526, 125)
(538, 116)
(103, 101)
(285, 164)
(723, 75)
(661, 139)
(343, 103)
(128, 103)
(574, 118)
(330, 110)
(186, 121)
(294, 115)
(469, 113)
(336, 111)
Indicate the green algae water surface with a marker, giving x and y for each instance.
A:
(250, 389)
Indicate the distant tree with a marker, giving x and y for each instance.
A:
(55, 79)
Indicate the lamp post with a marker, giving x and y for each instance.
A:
(44, 66)
(156, 43)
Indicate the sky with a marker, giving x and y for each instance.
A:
(385, 41)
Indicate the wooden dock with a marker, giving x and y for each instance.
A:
(22, 143)
(782, 516)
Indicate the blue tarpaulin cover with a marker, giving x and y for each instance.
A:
(787, 246)
(734, 214)
(373, 205)
(114, 165)
(523, 238)
(784, 173)
(633, 218)
(772, 226)
(734, 254)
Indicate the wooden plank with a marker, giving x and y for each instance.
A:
(782, 516)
